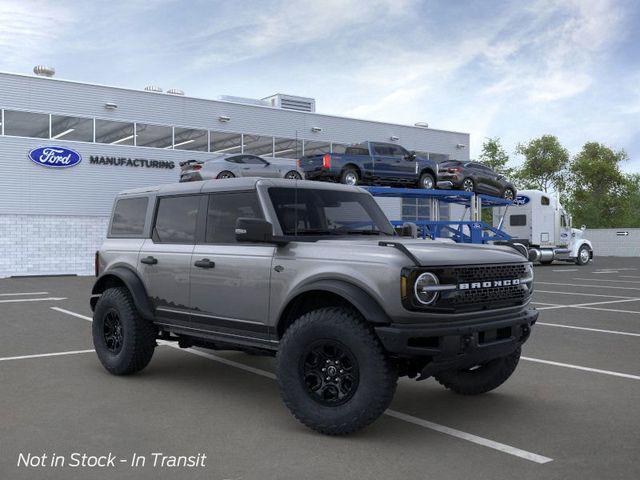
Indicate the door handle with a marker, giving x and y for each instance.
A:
(149, 260)
(205, 263)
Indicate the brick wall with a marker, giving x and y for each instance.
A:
(49, 244)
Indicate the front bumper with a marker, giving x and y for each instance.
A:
(462, 345)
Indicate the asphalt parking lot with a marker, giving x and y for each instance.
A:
(571, 410)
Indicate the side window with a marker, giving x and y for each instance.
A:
(176, 219)
(397, 151)
(223, 211)
(253, 160)
(381, 149)
(544, 200)
(238, 159)
(128, 217)
(517, 220)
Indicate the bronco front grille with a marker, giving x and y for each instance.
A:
(479, 287)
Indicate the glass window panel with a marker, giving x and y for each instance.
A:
(338, 147)
(222, 142)
(287, 148)
(190, 139)
(316, 148)
(26, 124)
(176, 219)
(157, 136)
(257, 145)
(71, 128)
(438, 157)
(115, 133)
(128, 217)
(223, 212)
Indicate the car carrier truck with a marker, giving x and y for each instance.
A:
(538, 220)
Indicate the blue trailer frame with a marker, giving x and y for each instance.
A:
(461, 231)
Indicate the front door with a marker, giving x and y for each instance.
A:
(253, 166)
(165, 259)
(229, 292)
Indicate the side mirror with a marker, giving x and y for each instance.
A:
(410, 156)
(254, 230)
(583, 228)
(408, 229)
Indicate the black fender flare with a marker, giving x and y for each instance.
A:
(359, 298)
(134, 284)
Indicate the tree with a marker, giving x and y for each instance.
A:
(494, 156)
(545, 164)
(601, 195)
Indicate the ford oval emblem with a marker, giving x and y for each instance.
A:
(55, 157)
(521, 200)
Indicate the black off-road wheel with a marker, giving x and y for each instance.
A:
(124, 341)
(480, 378)
(333, 373)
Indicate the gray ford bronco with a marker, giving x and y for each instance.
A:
(315, 275)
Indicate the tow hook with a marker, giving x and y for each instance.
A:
(525, 332)
(466, 342)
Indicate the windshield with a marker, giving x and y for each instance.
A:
(304, 211)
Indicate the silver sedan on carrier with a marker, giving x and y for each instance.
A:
(239, 165)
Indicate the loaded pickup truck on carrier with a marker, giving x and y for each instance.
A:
(372, 163)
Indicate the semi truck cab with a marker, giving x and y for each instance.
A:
(538, 220)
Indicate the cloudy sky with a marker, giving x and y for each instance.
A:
(492, 68)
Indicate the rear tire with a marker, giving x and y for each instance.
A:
(482, 379)
(225, 174)
(427, 181)
(337, 343)
(293, 175)
(350, 176)
(124, 341)
(508, 194)
(468, 185)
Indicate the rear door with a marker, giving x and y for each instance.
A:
(383, 160)
(165, 259)
(230, 281)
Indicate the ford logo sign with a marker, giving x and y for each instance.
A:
(55, 157)
(521, 200)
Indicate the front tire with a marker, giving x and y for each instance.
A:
(482, 378)
(468, 185)
(508, 194)
(124, 341)
(427, 181)
(333, 374)
(584, 255)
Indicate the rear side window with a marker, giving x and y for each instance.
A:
(518, 220)
(357, 151)
(223, 211)
(128, 217)
(176, 219)
(544, 201)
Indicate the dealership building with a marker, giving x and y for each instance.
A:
(52, 220)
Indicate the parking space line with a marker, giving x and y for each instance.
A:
(629, 276)
(73, 314)
(566, 270)
(607, 280)
(27, 293)
(587, 286)
(533, 457)
(587, 305)
(610, 310)
(598, 330)
(41, 355)
(47, 299)
(580, 294)
(580, 367)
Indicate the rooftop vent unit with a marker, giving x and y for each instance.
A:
(291, 102)
(244, 100)
(43, 71)
(153, 88)
(175, 91)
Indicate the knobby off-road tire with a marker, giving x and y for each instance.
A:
(368, 380)
(124, 341)
(481, 379)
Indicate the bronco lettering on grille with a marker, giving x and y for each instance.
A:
(489, 284)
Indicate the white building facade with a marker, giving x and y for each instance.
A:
(52, 220)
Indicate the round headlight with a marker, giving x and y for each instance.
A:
(421, 289)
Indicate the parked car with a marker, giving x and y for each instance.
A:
(313, 274)
(474, 177)
(239, 165)
(372, 163)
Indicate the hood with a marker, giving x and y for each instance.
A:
(439, 253)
